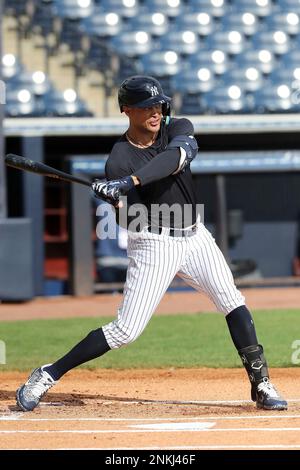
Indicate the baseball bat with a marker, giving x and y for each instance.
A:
(21, 163)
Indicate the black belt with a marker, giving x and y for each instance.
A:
(173, 232)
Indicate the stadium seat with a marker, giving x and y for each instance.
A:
(229, 41)
(261, 59)
(154, 23)
(98, 56)
(289, 73)
(291, 58)
(201, 23)
(216, 8)
(64, 104)
(73, 9)
(102, 23)
(43, 19)
(194, 80)
(191, 104)
(11, 66)
(160, 63)
(126, 9)
(215, 60)
(245, 22)
(36, 83)
(276, 41)
(184, 42)
(257, 7)
(289, 76)
(226, 99)
(16, 8)
(251, 78)
(131, 43)
(289, 22)
(170, 8)
(290, 6)
(20, 102)
(273, 98)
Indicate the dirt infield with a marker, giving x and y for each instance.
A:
(151, 409)
(177, 302)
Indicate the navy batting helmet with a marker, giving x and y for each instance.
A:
(143, 92)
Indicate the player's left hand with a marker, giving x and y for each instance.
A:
(111, 191)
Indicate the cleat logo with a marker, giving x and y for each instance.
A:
(257, 365)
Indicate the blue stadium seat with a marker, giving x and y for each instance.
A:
(154, 23)
(250, 77)
(131, 43)
(43, 19)
(98, 56)
(274, 98)
(73, 9)
(191, 104)
(291, 58)
(226, 99)
(212, 7)
(58, 104)
(70, 34)
(201, 23)
(11, 66)
(16, 7)
(214, 59)
(262, 59)
(126, 9)
(21, 103)
(257, 7)
(289, 22)
(160, 63)
(37, 83)
(102, 23)
(245, 22)
(277, 42)
(184, 42)
(194, 80)
(287, 75)
(170, 8)
(228, 41)
(290, 6)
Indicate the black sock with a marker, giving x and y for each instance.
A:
(92, 346)
(241, 327)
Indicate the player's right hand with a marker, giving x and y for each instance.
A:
(111, 191)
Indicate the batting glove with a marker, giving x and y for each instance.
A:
(111, 191)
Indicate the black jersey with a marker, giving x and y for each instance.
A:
(159, 188)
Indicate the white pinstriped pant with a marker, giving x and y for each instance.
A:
(154, 260)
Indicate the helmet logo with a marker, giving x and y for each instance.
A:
(154, 91)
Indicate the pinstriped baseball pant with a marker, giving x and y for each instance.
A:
(154, 260)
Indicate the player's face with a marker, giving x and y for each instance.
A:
(146, 118)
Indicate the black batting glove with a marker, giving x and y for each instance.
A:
(111, 191)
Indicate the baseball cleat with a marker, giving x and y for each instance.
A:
(268, 398)
(29, 395)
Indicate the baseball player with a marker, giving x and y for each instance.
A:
(149, 169)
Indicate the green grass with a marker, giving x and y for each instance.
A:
(187, 340)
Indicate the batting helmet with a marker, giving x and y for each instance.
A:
(143, 92)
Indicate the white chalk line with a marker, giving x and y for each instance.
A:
(168, 402)
(201, 447)
(19, 417)
(139, 431)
